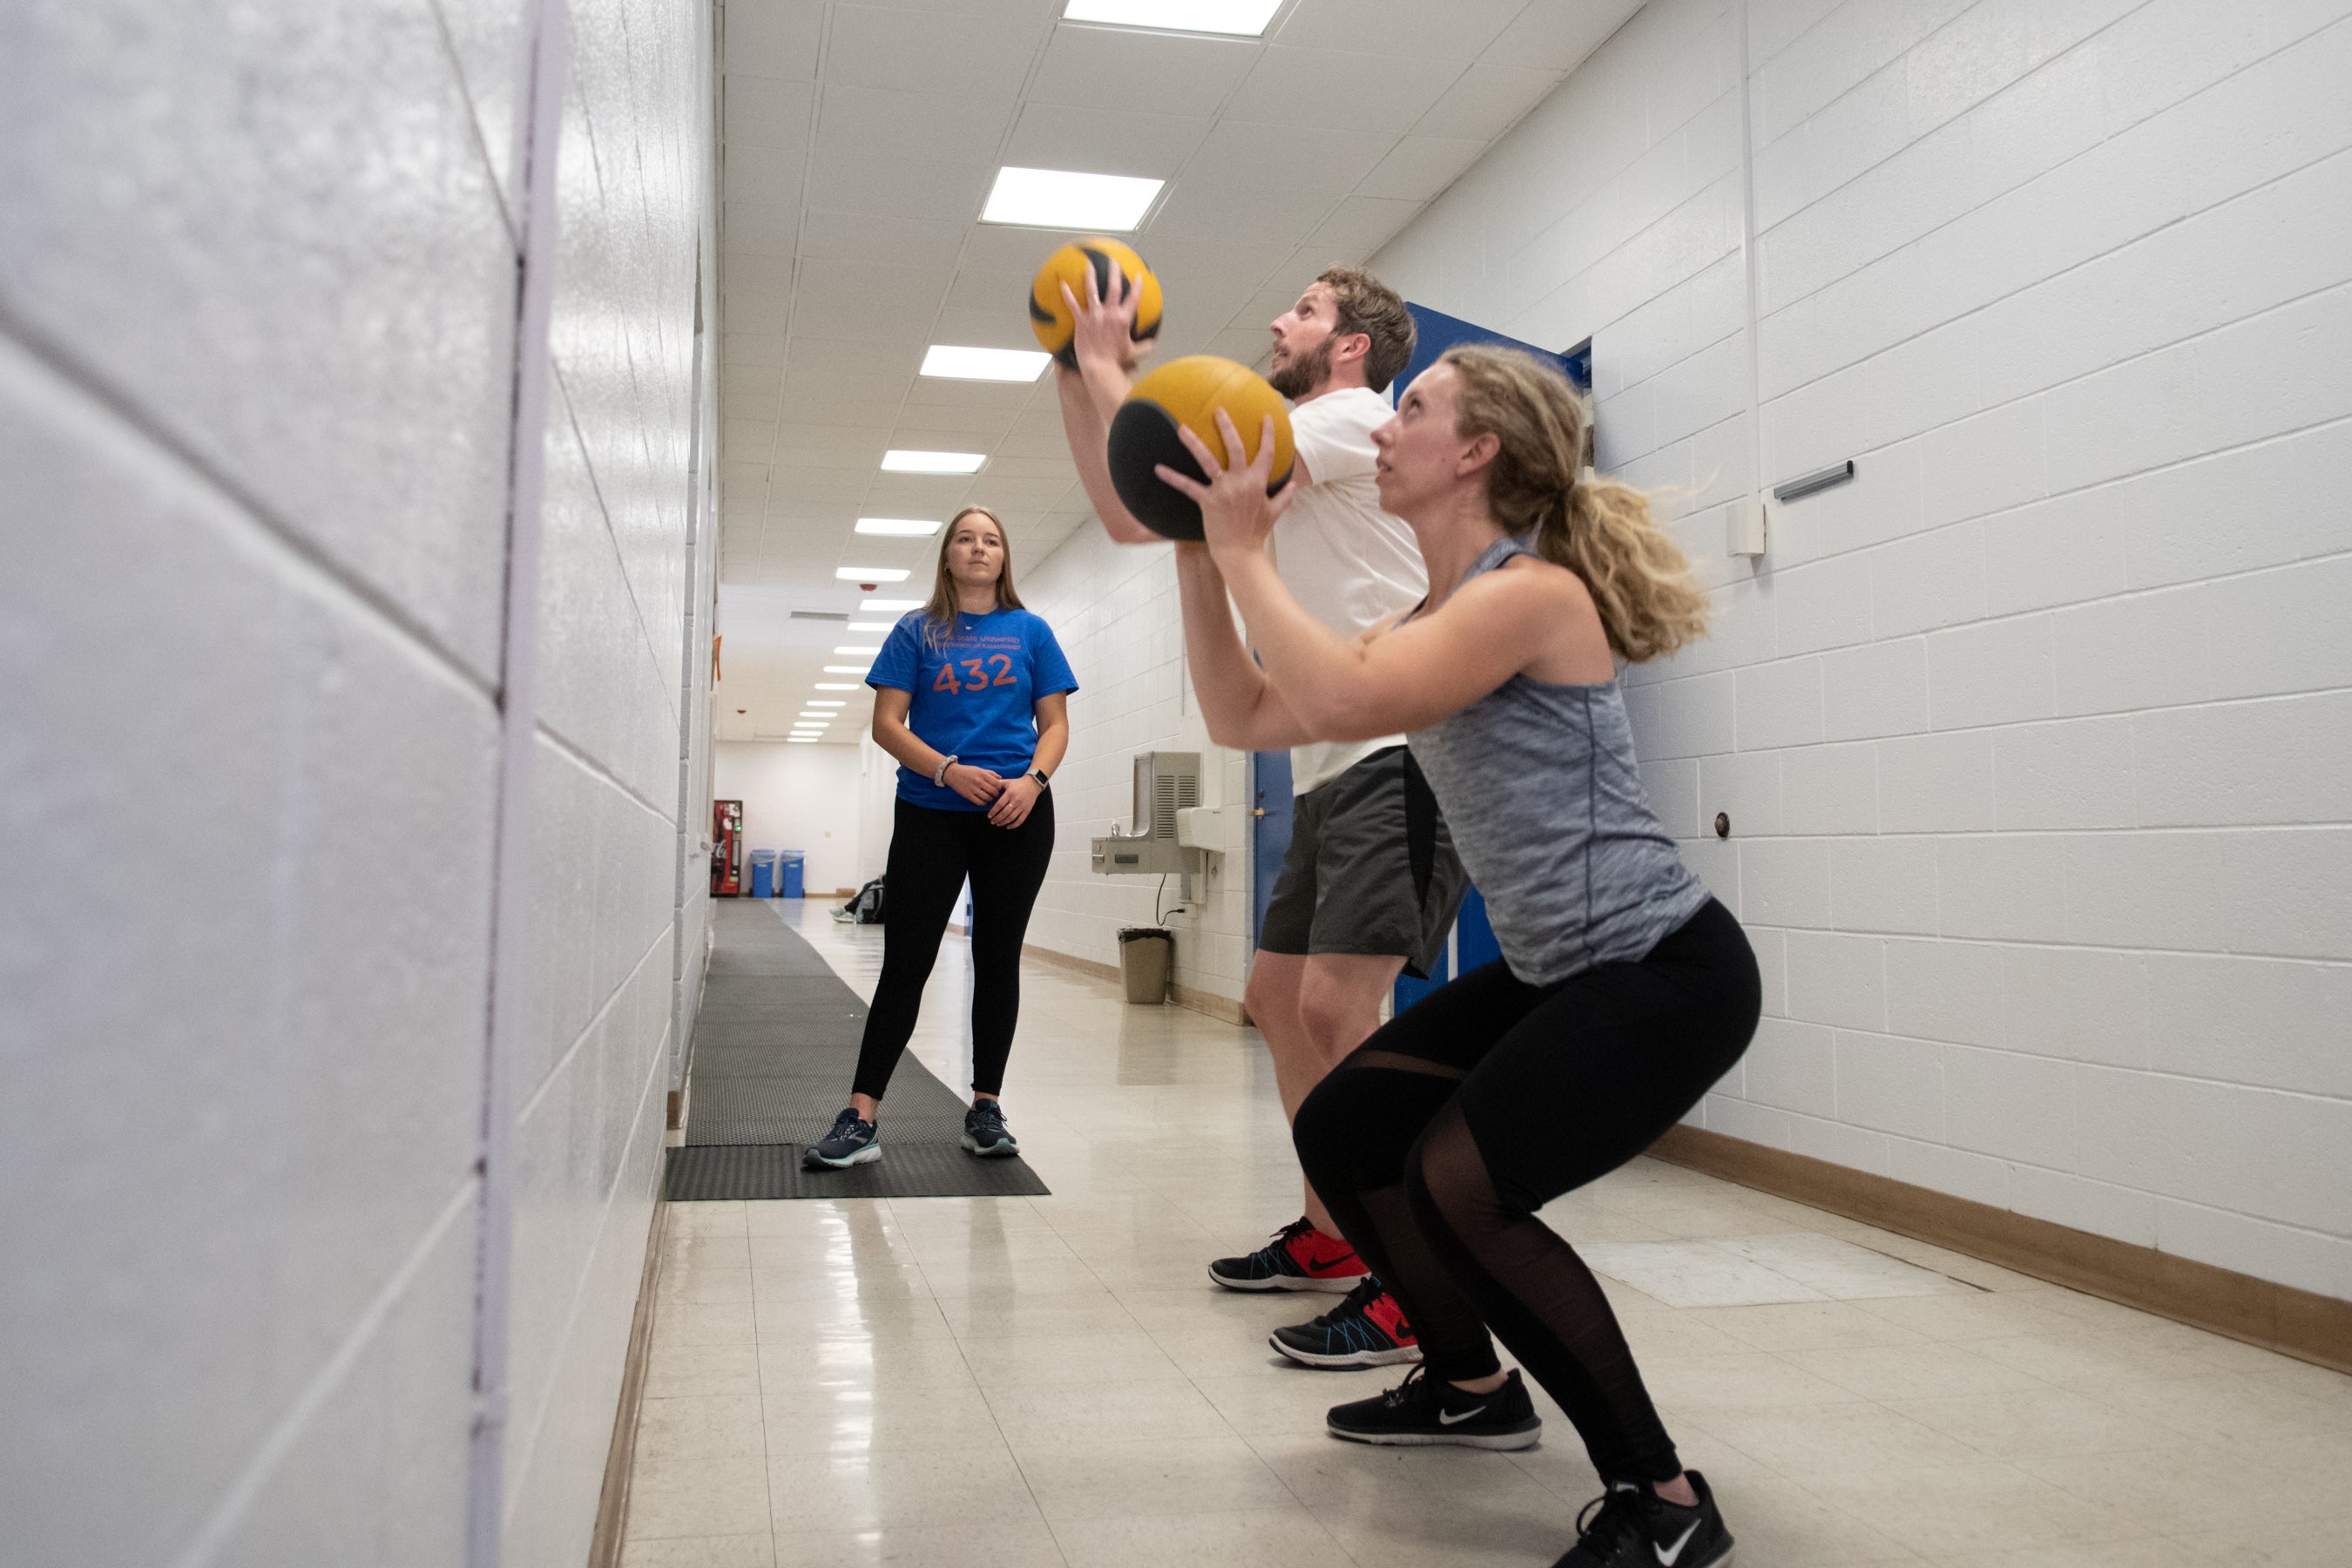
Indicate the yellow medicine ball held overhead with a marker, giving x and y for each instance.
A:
(1188, 391)
(1049, 314)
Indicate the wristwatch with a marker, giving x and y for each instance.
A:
(1039, 775)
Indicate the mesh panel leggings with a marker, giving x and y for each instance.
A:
(1436, 1141)
(931, 853)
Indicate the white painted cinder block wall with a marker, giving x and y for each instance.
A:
(1113, 608)
(2036, 738)
(801, 797)
(258, 359)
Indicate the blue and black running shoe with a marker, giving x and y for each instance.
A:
(985, 1134)
(852, 1141)
(1367, 1329)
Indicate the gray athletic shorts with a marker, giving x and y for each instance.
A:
(1371, 869)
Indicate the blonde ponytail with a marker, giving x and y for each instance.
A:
(1598, 529)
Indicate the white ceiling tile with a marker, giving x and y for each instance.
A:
(1003, 398)
(1240, 155)
(1557, 34)
(748, 439)
(1359, 226)
(1457, 30)
(841, 485)
(878, 238)
(774, 178)
(768, 115)
(1378, 94)
(1058, 467)
(986, 288)
(1488, 101)
(847, 179)
(915, 51)
(736, 378)
(996, 327)
(885, 124)
(1273, 216)
(1103, 141)
(1146, 73)
(774, 37)
(1420, 168)
(852, 293)
(1242, 343)
(748, 349)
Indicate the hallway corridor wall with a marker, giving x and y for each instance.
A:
(2034, 739)
(263, 540)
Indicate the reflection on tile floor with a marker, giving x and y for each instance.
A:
(1053, 1381)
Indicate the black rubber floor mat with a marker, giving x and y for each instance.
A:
(907, 1169)
(774, 1048)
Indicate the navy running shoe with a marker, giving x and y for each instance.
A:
(1631, 1526)
(985, 1134)
(1300, 1257)
(852, 1141)
(1367, 1329)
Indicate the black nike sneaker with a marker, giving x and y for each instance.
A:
(1367, 1329)
(1300, 1257)
(1421, 1411)
(1631, 1526)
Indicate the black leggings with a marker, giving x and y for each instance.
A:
(931, 853)
(1436, 1141)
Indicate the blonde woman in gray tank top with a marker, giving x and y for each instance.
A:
(1623, 991)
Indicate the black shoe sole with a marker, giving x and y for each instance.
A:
(1526, 1436)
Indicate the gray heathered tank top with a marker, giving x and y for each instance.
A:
(1547, 812)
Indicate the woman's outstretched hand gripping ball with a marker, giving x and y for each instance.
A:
(1049, 314)
(1188, 392)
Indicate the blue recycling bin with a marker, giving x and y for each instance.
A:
(763, 874)
(789, 868)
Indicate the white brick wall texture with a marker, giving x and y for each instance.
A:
(2035, 737)
(257, 360)
(1113, 609)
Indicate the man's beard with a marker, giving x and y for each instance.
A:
(1302, 373)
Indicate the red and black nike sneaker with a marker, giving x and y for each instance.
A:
(1300, 1257)
(1367, 1329)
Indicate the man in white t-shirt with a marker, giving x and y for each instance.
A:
(1371, 883)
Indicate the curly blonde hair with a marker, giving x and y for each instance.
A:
(1598, 529)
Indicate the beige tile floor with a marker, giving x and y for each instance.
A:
(1052, 1381)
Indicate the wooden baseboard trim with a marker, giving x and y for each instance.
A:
(1199, 1001)
(2300, 1323)
(621, 1457)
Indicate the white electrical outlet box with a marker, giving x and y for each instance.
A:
(1743, 526)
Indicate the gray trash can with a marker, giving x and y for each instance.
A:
(1147, 956)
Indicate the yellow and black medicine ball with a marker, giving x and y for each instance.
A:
(1188, 391)
(1049, 314)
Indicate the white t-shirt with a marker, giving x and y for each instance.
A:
(1350, 564)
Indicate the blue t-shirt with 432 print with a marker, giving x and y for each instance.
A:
(974, 690)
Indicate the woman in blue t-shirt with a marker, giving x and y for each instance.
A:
(972, 695)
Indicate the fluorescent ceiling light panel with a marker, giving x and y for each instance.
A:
(898, 461)
(822, 702)
(986, 365)
(870, 573)
(871, 625)
(899, 526)
(853, 648)
(890, 606)
(1241, 18)
(1062, 198)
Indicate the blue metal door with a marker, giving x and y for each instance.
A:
(1269, 830)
